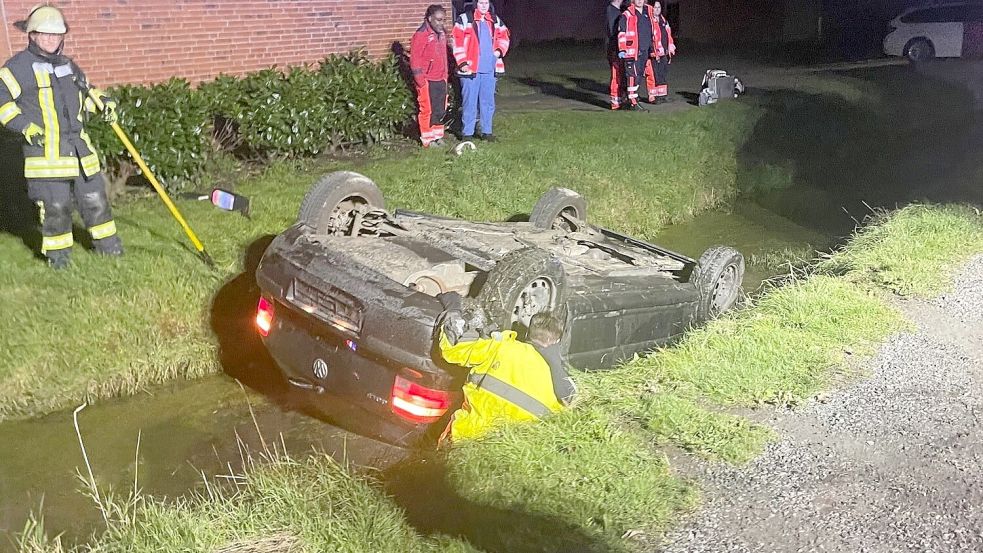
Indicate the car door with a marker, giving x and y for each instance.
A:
(947, 30)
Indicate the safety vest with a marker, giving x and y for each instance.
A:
(44, 91)
(628, 31)
(658, 50)
(466, 48)
(428, 54)
(508, 381)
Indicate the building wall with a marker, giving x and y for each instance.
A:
(750, 21)
(146, 41)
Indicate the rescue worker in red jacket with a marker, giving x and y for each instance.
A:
(662, 52)
(613, 15)
(509, 380)
(44, 96)
(635, 46)
(428, 64)
(481, 40)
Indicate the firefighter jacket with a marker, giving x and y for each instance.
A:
(658, 50)
(466, 48)
(428, 55)
(509, 381)
(628, 39)
(45, 90)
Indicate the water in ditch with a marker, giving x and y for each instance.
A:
(196, 430)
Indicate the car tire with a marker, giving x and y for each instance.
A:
(919, 50)
(719, 274)
(549, 211)
(337, 195)
(524, 282)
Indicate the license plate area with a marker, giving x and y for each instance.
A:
(336, 307)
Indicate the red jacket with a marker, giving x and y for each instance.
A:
(428, 55)
(628, 31)
(466, 49)
(657, 50)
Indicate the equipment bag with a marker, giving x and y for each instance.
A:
(719, 85)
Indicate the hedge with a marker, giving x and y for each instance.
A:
(300, 111)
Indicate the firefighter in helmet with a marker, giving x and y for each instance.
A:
(45, 97)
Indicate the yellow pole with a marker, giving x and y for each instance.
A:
(157, 186)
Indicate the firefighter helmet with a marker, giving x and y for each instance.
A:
(46, 19)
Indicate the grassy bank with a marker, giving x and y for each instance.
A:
(593, 477)
(111, 327)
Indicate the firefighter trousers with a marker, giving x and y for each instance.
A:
(657, 83)
(617, 79)
(54, 201)
(432, 100)
(634, 71)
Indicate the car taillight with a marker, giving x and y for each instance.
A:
(264, 316)
(418, 403)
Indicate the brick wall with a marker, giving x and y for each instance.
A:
(145, 41)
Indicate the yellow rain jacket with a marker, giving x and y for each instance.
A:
(509, 381)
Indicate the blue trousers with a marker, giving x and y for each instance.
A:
(478, 96)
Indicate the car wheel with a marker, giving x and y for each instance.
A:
(334, 200)
(525, 282)
(719, 275)
(557, 207)
(919, 50)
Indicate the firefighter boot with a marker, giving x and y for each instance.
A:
(59, 259)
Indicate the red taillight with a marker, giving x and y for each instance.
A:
(418, 403)
(264, 316)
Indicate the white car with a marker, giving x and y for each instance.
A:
(942, 30)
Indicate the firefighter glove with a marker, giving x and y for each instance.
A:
(109, 113)
(34, 135)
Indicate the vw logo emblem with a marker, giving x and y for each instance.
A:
(320, 369)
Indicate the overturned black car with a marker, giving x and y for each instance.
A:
(348, 306)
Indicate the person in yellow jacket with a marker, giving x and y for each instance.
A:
(44, 97)
(508, 380)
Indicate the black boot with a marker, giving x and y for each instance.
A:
(59, 259)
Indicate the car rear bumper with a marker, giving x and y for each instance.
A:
(343, 335)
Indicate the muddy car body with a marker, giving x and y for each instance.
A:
(349, 309)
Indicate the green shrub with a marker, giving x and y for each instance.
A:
(166, 123)
(301, 111)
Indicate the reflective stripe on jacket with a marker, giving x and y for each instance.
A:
(466, 48)
(36, 90)
(657, 50)
(428, 55)
(509, 381)
(628, 31)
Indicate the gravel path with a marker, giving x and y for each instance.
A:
(893, 462)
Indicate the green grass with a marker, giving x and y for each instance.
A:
(912, 251)
(110, 327)
(685, 423)
(285, 506)
(584, 471)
